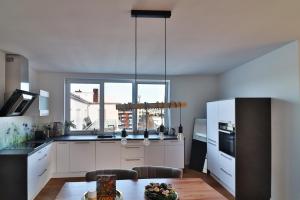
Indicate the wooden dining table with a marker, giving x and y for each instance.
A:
(187, 188)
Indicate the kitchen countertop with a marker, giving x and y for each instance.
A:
(25, 149)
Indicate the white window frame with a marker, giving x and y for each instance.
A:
(101, 82)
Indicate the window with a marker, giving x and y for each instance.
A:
(151, 93)
(91, 105)
(85, 106)
(117, 93)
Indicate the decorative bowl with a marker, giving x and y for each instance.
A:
(160, 191)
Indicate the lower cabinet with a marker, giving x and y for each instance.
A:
(174, 153)
(227, 171)
(108, 155)
(132, 155)
(213, 159)
(38, 171)
(155, 153)
(62, 157)
(82, 156)
(76, 158)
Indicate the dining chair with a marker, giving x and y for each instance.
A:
(121, 174)
(157, 172)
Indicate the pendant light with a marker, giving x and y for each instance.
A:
(162, 127)
(146, 141)
(180, 135)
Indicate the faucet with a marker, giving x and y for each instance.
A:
(95, 131)
(114, 128)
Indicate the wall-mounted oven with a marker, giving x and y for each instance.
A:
(227, 138)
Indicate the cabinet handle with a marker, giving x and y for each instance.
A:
(42, 172)
(42, 157)
(227, 132)
(132, 147)
(82, 142)
(226, 157)
(132, 159)
(212, 143)
(224, 171)
(108, 142)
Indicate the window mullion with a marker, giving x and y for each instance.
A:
(101, 107)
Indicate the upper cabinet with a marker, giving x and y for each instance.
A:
(212, 122)
(227, 111)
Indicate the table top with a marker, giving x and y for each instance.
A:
(187, 188)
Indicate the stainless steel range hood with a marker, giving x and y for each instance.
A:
(17, 96)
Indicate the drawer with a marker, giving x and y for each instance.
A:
(129, 163)
(135, 142)
(133, 151)
(174, 142)
(227, 178)
(227, 162)
(157, 142)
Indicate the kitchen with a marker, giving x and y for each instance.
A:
(75, 87)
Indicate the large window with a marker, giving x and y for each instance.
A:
(91, 105)
(117, 93)
(151, 93)
(84, 106)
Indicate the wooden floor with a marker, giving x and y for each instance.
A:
(54, 185)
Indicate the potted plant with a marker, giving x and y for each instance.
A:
(68, 125)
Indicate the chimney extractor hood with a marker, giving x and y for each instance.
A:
(18, 103)
(17, 95)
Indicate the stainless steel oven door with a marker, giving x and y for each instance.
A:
(227, 142)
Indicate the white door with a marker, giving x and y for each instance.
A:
(62, 157)
(108, 155)
(213, 123)
(174, 153)
(227, 111)
(154, 153)
(82, 156)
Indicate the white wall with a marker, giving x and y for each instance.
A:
(2, 77)
(275, 75)
(196, 90)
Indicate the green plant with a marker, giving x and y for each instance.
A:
(69, 124)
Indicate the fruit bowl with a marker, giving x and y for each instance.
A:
(160, 191)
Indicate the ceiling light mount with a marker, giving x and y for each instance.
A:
(151, 13)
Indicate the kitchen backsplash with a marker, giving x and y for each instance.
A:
(14, 130)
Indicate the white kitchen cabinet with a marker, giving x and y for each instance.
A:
(227, 170)
(129, 163)
(212, 123)
(213, 164)
(213, 138)
(174, 153)
(108, 155)
(154, 153)
(227, 111)
(82, 156)
(38, 171)
(62, 157)
(132, 155)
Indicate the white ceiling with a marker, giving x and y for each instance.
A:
(203, 36)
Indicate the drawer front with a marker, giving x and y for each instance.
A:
(174, 142)
(157, 143)
(131, 151)
(129, 163)
(227, 162)
(227, 178)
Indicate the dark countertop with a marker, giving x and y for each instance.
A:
(26, 149)
(117, 137)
